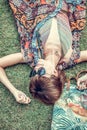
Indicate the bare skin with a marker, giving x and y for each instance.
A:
(10, 60)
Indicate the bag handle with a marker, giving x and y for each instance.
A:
(75, 78)
(83, 71)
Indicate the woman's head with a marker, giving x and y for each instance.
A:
(47, 88)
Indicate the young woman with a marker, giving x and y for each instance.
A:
(49, 35)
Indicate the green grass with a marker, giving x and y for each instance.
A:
(14, 116)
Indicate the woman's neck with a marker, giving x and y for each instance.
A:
(53, 55)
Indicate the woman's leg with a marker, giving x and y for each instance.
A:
(10, 60)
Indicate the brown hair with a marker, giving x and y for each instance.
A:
(47, 90)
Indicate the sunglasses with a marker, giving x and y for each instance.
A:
(41, 71)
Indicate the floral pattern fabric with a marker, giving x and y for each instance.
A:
(63, 117)
(31, 15)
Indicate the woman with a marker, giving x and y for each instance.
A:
(43, 27)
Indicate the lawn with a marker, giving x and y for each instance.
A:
(14, 116)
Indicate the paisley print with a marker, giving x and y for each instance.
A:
(30, 15)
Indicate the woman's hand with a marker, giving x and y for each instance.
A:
(21, 97)
(67, 57)
(65, 61)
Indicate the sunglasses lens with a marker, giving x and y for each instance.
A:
(41, 71)
(32, 73)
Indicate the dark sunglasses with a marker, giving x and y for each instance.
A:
(41, 71)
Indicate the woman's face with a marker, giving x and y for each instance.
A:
(48, 66)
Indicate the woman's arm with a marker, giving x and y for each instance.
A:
(10, 60)
(66, 58)
(83, 56)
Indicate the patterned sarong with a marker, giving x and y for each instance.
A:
(31, 16)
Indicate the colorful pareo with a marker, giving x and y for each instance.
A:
(63, 117)
(31, 16)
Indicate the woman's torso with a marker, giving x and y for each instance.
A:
(28, 15)
(56, 31)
